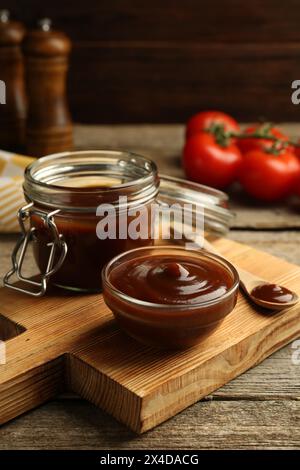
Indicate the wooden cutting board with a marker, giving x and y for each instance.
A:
(68, 342)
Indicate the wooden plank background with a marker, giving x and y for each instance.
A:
(160, 61)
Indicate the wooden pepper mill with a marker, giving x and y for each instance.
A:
(13, 112)
(49, 126)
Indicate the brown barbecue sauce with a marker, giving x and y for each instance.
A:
(166, 280)
(87, 254)
(273, 293)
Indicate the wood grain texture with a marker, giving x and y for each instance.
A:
(209, 424)
(268, 21)
(76, 338)
(259, 409)
(237, 78)
(161, 61)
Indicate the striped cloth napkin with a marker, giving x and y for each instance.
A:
(11, 194)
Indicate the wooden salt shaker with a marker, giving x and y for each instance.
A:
(13, 112)
(49, 126)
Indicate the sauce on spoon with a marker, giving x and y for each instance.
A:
(273, 293)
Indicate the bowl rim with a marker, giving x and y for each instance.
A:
(178, 307)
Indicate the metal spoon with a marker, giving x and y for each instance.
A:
(249, 282)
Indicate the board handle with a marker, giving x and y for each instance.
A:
(18, 255)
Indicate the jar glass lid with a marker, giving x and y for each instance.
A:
(207, 201)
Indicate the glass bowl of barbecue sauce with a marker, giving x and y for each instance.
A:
(168, 296)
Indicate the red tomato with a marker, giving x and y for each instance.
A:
(297, 150)
(267, 176)
(245, 144)
(296, 189)
(207, 162)
(202, 121)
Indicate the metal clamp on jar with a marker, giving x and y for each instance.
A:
(64, 192)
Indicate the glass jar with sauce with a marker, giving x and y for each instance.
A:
(63, 192)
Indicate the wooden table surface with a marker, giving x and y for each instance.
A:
(260, 409)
